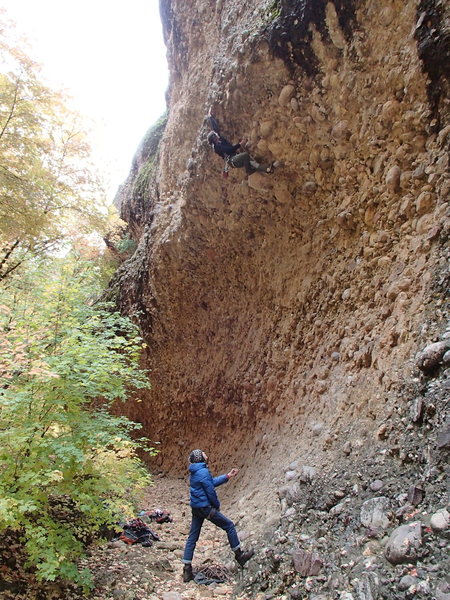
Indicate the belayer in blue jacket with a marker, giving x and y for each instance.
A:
(205, 505)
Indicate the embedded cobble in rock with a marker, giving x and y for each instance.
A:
(432, 355)
(440, 522)
(307, 563)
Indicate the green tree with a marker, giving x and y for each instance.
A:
(64, 359)
(46, 179)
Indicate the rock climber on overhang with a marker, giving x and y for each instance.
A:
(234, 155)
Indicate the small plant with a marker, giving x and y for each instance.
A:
(141, 186)
(274, 11)
(148, 150)
(126, 245)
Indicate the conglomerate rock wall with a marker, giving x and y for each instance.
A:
(273, 304)
(283, 313)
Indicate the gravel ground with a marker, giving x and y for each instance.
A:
(124, 572)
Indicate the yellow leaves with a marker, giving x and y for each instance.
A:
(7, 510)
(12, 357)
(56, 475)
(47, 180)
(15, 359)
(40, 369)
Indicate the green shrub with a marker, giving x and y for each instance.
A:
(126, 245)
(63, 361)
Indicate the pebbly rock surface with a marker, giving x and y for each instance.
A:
(296, 324)
(289, 306)
(370, 546)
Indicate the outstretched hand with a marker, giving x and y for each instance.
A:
(232, 473)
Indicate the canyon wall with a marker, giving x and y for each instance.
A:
(284, 315)
(280, 311)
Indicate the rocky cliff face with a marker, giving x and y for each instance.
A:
(283, 313)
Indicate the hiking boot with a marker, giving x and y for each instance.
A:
(188, 575)
(243, 557)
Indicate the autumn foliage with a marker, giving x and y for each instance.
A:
(68, 466)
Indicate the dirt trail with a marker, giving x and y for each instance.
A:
(137, 573)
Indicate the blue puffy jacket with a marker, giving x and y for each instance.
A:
(202, 486)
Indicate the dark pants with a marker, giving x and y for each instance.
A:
(244, 160)
(213, 515)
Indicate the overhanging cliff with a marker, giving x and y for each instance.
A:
(282, 312)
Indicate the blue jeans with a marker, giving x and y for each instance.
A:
(213, 515)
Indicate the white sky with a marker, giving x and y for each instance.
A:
(110, 57)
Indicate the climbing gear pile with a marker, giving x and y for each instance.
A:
(158, 515)
(137, 532)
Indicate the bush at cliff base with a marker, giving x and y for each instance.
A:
(68, 467)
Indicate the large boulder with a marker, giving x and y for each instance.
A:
(429, 358)
(404, 543)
